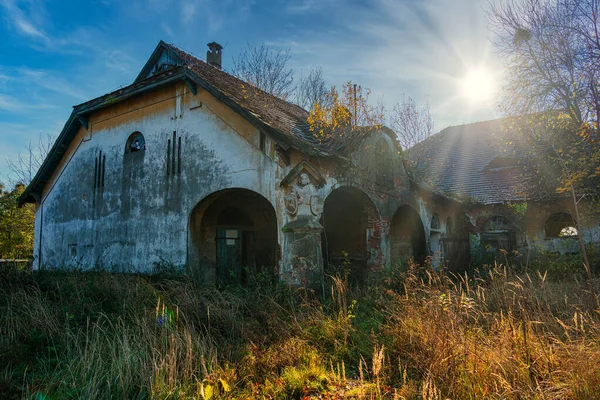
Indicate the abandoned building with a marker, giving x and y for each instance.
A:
(191, 168)
(508, 198)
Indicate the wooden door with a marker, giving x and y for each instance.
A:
(229, 255)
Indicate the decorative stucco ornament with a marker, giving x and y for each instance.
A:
(316, 205)
(291, 204)
(303, 199)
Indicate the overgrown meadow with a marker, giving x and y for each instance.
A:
(411, 333)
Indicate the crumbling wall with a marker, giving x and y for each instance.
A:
(529, 235)
(131, 211)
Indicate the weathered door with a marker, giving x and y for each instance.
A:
(229, 255)
(457, 252)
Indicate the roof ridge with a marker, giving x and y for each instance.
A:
(189, 56)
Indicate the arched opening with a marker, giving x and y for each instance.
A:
(135, 143)
(560, 225)
(435, 241)
(349, 240)
(498, 234)
(233, 233)
(407, 236)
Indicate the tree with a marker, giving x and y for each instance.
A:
(552, 49)
(552, 52)
(25, 165)
(265, 68)
(412, 123)
(344, 117)
(312, 89)
(16, 224)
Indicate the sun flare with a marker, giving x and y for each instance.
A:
(478, 85)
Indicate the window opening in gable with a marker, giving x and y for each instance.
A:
(560, 225)
(135, 143)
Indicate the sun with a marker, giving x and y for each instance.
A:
(478, 85)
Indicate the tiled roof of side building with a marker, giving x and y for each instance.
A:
(483, 162)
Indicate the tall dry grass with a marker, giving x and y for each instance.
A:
(418, 334)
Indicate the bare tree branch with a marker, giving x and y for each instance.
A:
(312, 89)
(412, 123)
(265, 68)
(25, 165)
(552, 51)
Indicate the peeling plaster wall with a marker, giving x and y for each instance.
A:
(529, 221)
(139, 218)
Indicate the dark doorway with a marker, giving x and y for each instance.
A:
(348, 216)
(233, 235)
(407, 236)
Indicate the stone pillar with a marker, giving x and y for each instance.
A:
(303, 259)
(302, 255)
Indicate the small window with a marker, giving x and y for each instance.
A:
(560, 225)
(135, 143)
(435, 222)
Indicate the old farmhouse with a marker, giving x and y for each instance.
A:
(193, 169)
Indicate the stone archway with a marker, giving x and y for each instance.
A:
(350, 238)
(232, 233)
(407, 236)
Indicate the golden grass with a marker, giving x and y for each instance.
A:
(420, 334)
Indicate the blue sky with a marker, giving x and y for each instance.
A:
(56, 54)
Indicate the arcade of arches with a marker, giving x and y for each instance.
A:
(233, 233)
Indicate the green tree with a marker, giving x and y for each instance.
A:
(16, 224)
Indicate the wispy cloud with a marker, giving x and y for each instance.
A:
(299, 7)
(24, 24)
(48, 80)
(188, 11)
(9, 103)
(417, 47)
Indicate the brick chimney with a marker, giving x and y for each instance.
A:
(213, 55)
